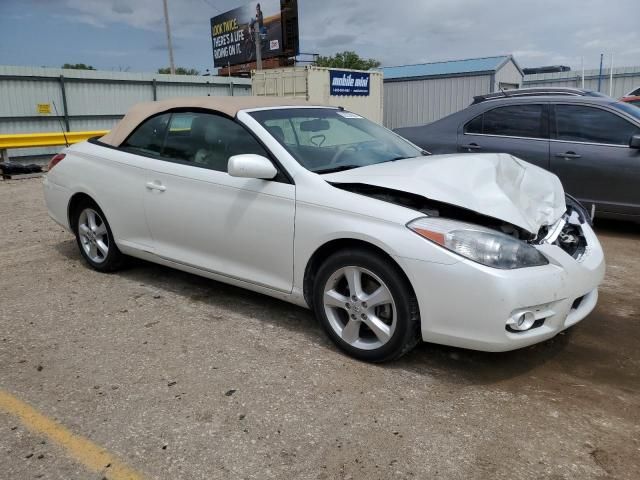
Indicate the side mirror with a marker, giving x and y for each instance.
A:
(634, 142)
(249, 165)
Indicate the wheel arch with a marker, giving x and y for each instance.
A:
(330, 247)
(74, 201)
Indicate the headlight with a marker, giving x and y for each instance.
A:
(477, 243)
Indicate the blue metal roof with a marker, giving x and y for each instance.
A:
(452, 67)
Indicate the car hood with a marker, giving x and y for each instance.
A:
(497, 185)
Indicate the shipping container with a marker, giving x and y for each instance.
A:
(356, 90)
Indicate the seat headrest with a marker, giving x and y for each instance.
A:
(198, 125)
(276, 132)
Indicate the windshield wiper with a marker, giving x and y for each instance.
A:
(336, 169)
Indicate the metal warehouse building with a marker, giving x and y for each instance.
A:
(419, 94)
(624, 79)
(37, 99)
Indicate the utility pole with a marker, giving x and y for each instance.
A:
(600, 74)
(258, 46)
(611, 77)
(172, 66)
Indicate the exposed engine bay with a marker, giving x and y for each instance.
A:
(566, 233)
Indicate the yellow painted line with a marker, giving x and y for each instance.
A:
(86, 452)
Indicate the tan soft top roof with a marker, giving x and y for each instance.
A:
(227, 105)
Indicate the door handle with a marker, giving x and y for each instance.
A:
(472, 146)
(155, 186)
(568, 155)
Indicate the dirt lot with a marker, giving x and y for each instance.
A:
(180, 377)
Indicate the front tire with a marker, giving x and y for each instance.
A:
(95, 239)
(366, 305)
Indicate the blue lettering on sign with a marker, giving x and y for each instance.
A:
(349, 83)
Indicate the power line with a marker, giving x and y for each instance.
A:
(212, 6)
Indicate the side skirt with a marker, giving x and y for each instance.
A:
(294, 297)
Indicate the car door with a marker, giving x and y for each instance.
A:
(521, 130)
(591, 155)
(121, 174)
(200, 216)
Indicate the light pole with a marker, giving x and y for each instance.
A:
(172, 67)
(600, 73)
(258, 46)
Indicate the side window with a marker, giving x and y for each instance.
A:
(577, 123)
(474, 126)
(149, 136)
(515, 121)
(207, 140)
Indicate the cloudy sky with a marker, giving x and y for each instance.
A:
(129, 34)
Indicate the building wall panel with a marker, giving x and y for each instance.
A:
(625, 79)
(508, 74)
(417, 102)
(96, 100)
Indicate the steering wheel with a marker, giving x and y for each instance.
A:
(341, 150)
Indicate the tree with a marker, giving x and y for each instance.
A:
(78, 66)
(347, 59)
(180, 71)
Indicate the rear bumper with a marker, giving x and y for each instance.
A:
(467, 305)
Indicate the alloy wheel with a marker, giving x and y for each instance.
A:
(94, 237)
(360, 307)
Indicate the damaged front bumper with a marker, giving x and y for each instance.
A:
(469, 305)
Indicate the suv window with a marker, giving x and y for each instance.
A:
(149, 136)
(510, 121)
(200, 139)
(578, 123)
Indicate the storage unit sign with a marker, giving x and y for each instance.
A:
(233, 33)
(344, 82)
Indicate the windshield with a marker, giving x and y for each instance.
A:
(325, 139)
(628, 108)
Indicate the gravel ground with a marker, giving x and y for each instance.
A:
(186, 378)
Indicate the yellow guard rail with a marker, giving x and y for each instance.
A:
(30, 140)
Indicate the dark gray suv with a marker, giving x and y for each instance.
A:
(589, 140)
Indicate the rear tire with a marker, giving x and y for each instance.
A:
(95, 239)
(366, 305)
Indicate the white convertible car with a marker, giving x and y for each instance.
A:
(322, 208)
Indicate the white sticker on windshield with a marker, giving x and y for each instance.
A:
(347, 114)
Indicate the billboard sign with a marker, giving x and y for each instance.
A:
(345, 82)
(233, 33)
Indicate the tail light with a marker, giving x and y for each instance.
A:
(55, 160)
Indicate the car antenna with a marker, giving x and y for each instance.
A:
(64, 134)
(504, 92)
